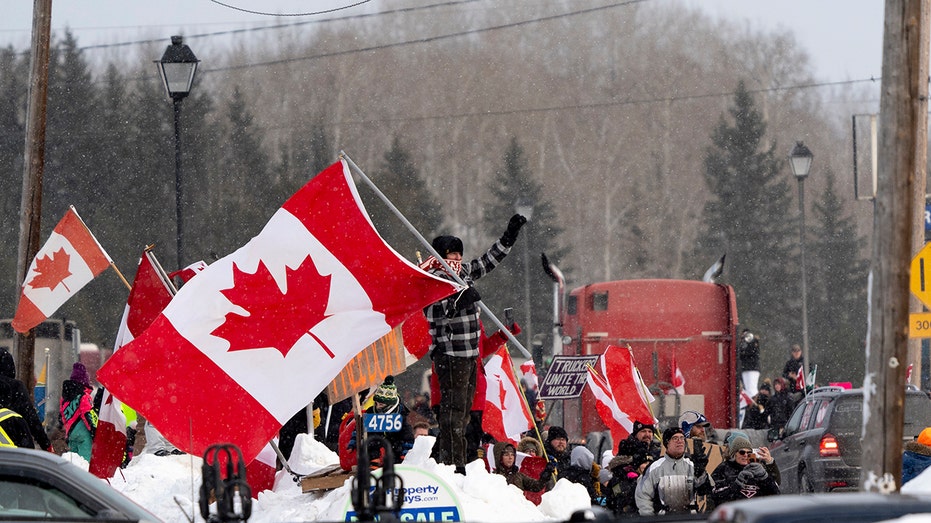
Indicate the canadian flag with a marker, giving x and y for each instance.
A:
(631, 394)
(150, 294)
(617, 421)
(528, 371)
(68, 261)
(259, 333)
(800, 379)
(506, 414)
(678, 380)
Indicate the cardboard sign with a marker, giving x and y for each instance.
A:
(369, 368)
(426, 497)
(566, 377)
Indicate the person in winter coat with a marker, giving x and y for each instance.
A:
(632, 459)
(583, 470)
(646, 434)
(454, 332)
(740, 478)
(671, 484)
(748, 355)
(15, 396)
(793, 367)
(917, 456)
(506, 465)
(530, 445)
(77, 411)
(557, 449)
(387, 401)
(14, 432)
(780, 407)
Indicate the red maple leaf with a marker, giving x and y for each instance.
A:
(502, 394)
(52, 270)
(275, 319)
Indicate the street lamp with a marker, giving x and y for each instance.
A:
(525, 208)
(800, 161)
(177, 68)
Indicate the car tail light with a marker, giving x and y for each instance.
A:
(828, 447)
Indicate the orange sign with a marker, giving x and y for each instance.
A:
(369, 368)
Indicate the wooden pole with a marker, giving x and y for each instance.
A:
(902, 144)
(31, 202)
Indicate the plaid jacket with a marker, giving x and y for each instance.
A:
(458, 336)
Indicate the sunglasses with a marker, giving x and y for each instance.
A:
(744, 452)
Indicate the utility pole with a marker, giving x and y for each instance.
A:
(34, 166)
(903, 140)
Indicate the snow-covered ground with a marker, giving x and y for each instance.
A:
(168, 487)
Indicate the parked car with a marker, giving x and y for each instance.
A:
(40, 486)
(848, 507)
(820, 450)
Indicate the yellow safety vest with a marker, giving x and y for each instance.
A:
(5, 440)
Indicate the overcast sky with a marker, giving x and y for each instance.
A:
(843, 37)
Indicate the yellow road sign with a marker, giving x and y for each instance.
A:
(919, 325)
(920, 277)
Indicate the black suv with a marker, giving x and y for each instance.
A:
(820, 450)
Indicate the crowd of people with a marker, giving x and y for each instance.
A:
(772, 401)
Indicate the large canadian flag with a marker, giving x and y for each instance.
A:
(506, 414)
(631, 394)
(151, 292)
(259, 333)
(68, 261)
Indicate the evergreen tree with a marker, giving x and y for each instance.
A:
(837, 305)
(245, 198)
(400, 180)
(749, 218)
(13, 89)
(508, 285)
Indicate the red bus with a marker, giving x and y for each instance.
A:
(692, 320)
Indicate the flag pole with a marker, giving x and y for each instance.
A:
(430, 248)
(112, 263)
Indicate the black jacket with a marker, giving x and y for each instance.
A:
(14, 396)
(727, 489)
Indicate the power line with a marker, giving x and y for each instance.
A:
(233, 7)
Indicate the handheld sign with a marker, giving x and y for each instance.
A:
(566, 377)
(427, 497)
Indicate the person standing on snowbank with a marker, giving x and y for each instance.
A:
(455, 332)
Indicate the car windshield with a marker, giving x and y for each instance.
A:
(27, 499)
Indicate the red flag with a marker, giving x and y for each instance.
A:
(258, 334)
(908, 373)
(630, 392)
(528, 371)
(800, 379)
(506, 414)
(189, 272)
(617, 421)
(68, 261)
(260, 474)
(149, 296)
(678, 380)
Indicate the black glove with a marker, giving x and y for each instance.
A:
(759, 473)
(510, 236)
(744, 477)
(466, 297)
(548, 471)
(699, 457)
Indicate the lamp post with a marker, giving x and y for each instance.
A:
(525, 209)
(176, 68)
(800, 161)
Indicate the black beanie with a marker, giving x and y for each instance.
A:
(639, 425)
(670, 432)
(556, 432)
(447, 244)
